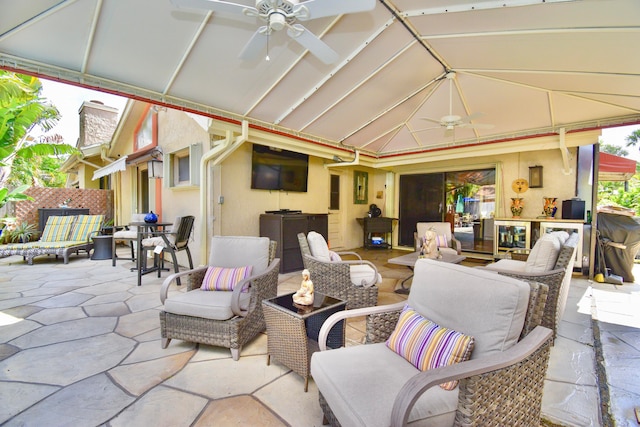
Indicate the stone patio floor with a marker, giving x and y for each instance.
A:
(80, 346)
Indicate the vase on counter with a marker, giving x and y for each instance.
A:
(517, 204)
(549, 209)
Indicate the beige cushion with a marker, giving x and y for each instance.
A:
(367, 402)
(544, 254)
(215, 305)
(512, 265)
(485, 305)
(360, 272)
(240, 251)
(318, 246)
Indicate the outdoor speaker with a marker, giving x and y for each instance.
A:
(573, 209)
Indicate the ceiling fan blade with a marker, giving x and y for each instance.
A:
(214, 5)
(309, 41)
(477, 126)
(322, 8)
(431, 120)
(424, 129)
(471, 117)
(257, 44)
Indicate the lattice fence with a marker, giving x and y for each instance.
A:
(97, 201)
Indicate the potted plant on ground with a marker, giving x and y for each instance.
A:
(22, 233)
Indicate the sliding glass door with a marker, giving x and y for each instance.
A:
(466, 199)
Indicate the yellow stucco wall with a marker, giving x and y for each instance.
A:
(240, 211)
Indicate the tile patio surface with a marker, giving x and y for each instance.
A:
(80, 346)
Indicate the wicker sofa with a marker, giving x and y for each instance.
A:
(62, 236)
(373, 385)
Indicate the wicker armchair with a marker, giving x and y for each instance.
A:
(558, 280)
(336, 278)
(370, 385)
(222, 318)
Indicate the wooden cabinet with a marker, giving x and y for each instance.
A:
(45, 213)
(284, 229)
(377, 225)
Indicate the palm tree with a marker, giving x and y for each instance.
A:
(633, 139)
(22, 110)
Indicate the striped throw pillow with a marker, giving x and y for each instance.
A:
(426, 345)
(441, 241)
(57, 228)
(224, 279)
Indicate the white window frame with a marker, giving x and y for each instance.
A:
(171, 160)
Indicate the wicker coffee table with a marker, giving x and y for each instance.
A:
(292, 330)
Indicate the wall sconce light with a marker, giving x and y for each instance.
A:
(154, 168)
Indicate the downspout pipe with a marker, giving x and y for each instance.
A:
(354, 162)
(216, 154)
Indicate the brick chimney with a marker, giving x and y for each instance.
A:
(97, 123)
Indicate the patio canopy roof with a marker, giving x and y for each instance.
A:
(525, 67)
(615, 168)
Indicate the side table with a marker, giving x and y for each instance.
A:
(292, 330)
(102, 247)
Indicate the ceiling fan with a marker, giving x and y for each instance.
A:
(451, 121)
(280, 14)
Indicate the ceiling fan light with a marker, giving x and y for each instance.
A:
(277, 21)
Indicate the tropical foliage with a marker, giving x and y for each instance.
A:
(23, 157)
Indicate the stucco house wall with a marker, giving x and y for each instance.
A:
(233, 208)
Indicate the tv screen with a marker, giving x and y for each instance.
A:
(276, 169)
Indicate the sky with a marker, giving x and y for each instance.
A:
(69, 98)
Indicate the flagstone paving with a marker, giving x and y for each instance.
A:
(80, 346)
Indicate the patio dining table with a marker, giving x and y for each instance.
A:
(145, 228)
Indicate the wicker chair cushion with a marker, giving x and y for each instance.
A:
(492, 310)
(512, 265)
(362, 272)
(544, 254)
(214, 305)
(368, 401)
(224, 279)
(427, 345)
(240, 251)
(318, 246)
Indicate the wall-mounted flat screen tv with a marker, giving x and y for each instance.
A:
(276, 169)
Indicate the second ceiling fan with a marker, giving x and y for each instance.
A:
(280, 14)
(452, 121)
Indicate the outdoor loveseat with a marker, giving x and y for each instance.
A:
(62, 235)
